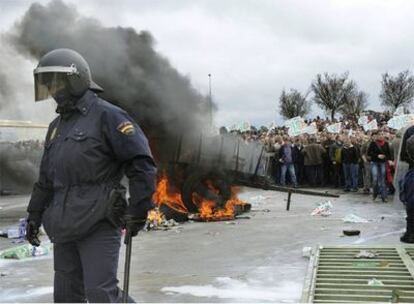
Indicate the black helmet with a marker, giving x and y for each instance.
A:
(63, 72)
(409, 147)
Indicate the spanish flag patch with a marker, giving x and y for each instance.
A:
(126, 128)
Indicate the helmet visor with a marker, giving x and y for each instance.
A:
(48, 84)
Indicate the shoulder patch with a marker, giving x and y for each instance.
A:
(126, 128)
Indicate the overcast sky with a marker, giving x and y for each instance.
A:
(254, 49)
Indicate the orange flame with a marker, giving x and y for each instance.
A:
(165, 194)
(208, 210)
(155, 217)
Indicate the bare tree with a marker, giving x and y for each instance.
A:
(355, 103)
(293, 104)
(397, 91)
(332, 91)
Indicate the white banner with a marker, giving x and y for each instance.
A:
(294, 132)
(363, 120)
(399, 111)
(335, 128)
(295, 125)
(401, 121)
(294, 121)
(311, 129)
(372, 125)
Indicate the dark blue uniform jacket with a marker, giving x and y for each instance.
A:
(404, 156)
(85, 157)
(409, 189)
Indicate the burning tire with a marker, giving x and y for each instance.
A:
(172, 213)
(212, 186)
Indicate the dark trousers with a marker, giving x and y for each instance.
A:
(85, 270)
(314, 175)
(351, 175)
(277, 172)
(328, 171)
(338, 176)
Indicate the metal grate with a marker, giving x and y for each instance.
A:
(336, 276)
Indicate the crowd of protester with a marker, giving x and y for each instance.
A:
(354, 159)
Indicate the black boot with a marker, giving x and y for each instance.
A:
(408, 236)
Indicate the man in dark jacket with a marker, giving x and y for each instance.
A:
(379, 153)
(78, 196)
(286, 158)
(350, 161)
(313, 160)
(298, 160)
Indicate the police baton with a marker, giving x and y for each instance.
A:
(128, 242)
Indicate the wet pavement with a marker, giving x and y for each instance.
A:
(247, 260)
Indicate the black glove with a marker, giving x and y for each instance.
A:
(132, 225)
(32, 229)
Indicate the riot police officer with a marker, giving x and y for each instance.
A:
(78, 196)
(407, 193)
(404, 152)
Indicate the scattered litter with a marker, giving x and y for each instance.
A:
(13, 233)
(351, 232)
(26, 251)
(323, 209)
(366, 254)
(375, 282)
(352, 218)
(232, 223)
(18, 232)
(192, 216)
(157, 221)
(306, 252)
(3, 274)
(243, 217)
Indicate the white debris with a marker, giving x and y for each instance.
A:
(323, 209)
(366, 254)
(352, 218)
(306, 252)
(375, 282)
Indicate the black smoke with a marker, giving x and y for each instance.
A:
(123, 61)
